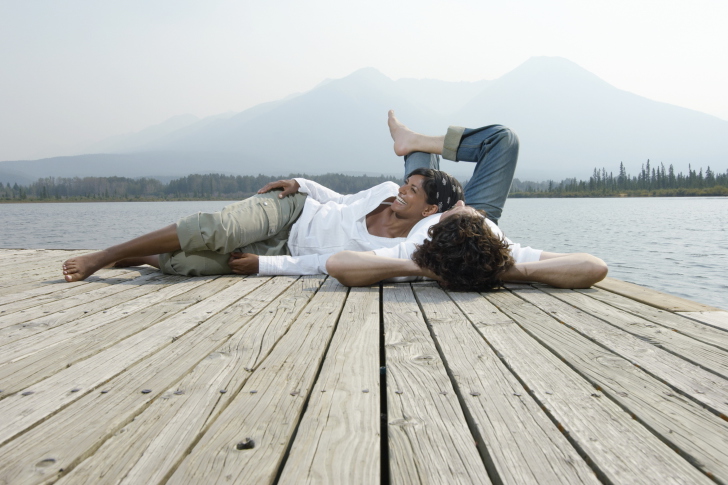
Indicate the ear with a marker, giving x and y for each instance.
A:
(429, 210)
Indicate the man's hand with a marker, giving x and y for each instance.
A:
(243, 263)
(289, 187)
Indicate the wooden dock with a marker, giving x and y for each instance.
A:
(141, 378)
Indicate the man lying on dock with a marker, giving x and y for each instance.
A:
(295, 227)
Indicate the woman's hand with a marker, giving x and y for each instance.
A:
(289, 187)
(244, 263)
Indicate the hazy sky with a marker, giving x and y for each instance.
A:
(73, 72)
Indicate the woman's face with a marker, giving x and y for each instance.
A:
(411, 199)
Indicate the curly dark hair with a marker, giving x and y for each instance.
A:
(430, 186)
(465, 253)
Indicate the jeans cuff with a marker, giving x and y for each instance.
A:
(190, 234)
(452, 142)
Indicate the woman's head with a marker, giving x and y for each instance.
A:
(441, 188)
(465, 253)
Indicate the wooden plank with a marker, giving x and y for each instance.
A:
(48, 270)
(705, 355)
(52, 293)
(29, 322)
(57, 391)
(55, 278)
(620, 448)
(429, 438)
(34, 292)
(522, 444)
(716, 319)
(11, 262)
(338, 439)
(675, 322)
(147, 449)
(31, 360)
(268, 415)
(694, 382)
(77, 430)
(698, 434)
(48, 262)
(652, 297)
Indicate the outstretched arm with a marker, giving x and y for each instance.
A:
(354, 268)
(572, 270)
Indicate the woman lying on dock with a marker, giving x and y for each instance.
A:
(296, 227)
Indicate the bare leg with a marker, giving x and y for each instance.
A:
(150, 260)
(161, 241)
(407, 141)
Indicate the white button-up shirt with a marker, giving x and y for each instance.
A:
(331, 222)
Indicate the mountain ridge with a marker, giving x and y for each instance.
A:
(569, 121)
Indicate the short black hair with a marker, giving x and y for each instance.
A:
(430, 186)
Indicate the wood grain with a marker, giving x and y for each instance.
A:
(269, 415)
(699, 384)
(338, 438)
(696, 351)
(619, 447)
(77, 430)
(716, 319)
(149, 448)
(681, 323)
(429, 438)
(522, 443)
(698, 434)
(653, 297)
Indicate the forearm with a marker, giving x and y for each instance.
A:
(577, 270)
(354, 268)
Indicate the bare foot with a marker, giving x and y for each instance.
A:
(80, 268)
(403, 137)
(150, 260)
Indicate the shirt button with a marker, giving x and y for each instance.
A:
(265, 203)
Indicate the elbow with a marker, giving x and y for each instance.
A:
(336, 267)
(602, 271)
(597, 270)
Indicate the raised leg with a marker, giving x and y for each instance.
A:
(407, 141)
(495, 150)
(164, 240)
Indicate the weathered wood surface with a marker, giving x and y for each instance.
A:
(338, 440)
(522, 444)
(716, 319)
(136, 377)
(652, 297)
(429, 438)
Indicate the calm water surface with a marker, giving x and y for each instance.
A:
(675, 245)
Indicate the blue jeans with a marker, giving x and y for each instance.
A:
(493, 148)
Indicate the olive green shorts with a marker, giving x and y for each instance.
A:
(259, 225)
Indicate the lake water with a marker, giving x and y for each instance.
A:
(675, 245)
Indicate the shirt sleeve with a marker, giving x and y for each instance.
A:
(293, 265)
(323, 194)
(523, 254)
(318, 192)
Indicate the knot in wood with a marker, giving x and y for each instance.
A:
(246, 444)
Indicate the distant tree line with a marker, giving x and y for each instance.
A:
(650, 181)
(191, 187)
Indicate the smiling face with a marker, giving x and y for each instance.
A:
(411, 200)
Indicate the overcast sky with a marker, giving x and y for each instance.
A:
(74, 72)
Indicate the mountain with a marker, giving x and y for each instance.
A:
(568, 120)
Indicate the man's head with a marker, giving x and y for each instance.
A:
(442, 189)
(464, 252)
